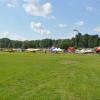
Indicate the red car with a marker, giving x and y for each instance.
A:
(98, 50)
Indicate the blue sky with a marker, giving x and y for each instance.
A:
(38, 19)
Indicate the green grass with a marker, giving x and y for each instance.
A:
(28, 76)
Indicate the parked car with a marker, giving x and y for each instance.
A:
(84, 51)
(98, 50)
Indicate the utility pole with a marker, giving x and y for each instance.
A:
(75, 31)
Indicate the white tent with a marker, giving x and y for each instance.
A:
(57, 50)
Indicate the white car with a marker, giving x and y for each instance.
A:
(84, 51)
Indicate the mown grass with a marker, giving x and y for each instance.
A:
(28, 76)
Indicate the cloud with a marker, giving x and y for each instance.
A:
(39, 28)
(12, 36)
(97, 29)
(89, 8)
(62, 25)
(32, 7)
(11, 3)
(4, 34)
(80, 23)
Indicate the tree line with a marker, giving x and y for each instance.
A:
(79, 41)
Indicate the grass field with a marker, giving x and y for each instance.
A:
(28, 76)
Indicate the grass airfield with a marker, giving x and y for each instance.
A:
(29, 76)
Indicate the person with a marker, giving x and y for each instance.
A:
(45, 51)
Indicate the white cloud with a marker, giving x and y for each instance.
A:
(80, 23)
(89, 8)
(12, 36)
(39, 28)
(97, 29)
(62, 25)
(4, 34)
(34, 8)
(11, 3)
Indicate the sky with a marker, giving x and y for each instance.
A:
(55, 19)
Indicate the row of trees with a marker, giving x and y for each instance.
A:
(79, 41)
